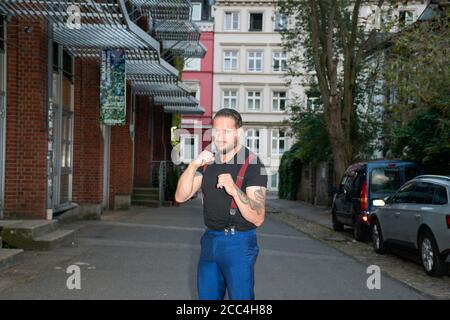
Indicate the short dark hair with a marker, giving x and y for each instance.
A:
(230, 113)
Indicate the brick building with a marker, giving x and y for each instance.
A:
(55, 154)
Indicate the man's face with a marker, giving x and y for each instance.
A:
(225, 135)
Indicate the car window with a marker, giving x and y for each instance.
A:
(410, 173)
(403, 195)
(422, 193)
(384, 180)
(357, 184)
(440, 195)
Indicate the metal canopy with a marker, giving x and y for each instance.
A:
(174, 101)
(104, 24)
(147, 71)
(177, 30)
(186, 49)
(184, 109)
(164, 9)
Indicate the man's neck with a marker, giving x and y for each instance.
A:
(228, 156)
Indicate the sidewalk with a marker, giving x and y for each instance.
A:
(306, 211)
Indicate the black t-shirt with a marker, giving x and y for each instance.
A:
(217, 202)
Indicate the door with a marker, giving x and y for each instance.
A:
(2, 111)
(394, 210)
(63, 95)
(421, 203)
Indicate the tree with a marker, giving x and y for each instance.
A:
(330, 38)
(417, 74)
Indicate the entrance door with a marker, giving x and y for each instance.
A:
(63, 95)
(2, 111)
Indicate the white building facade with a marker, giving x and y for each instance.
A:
(249, 67)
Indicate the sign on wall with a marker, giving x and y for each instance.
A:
(113, 88)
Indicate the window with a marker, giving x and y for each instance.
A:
(279, 61)
(196, 11)
(406, 17)
(63, 97)
(274, 181)
(278, 142)
(281, 22)
(440, 195)
(194, 88)
(231, 21)
(255, 61)
(2, 34)
(313, 103)
(279, 101)
(422, 194)
(254, 100)
(252, 140)
(189, 146)
(229, 99)
(230, 60)
(256, 22)
(403, 194)
(384, 180)
(192, 64)
(411, 172)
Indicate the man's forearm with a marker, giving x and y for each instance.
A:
(185, 184)
(252, 210)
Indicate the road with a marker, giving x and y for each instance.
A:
(152, 253)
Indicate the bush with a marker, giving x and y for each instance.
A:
(289, 173)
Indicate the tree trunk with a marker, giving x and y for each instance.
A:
(340, 139)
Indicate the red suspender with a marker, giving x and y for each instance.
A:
(240, 177)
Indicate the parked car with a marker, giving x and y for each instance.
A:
(417, 216)
(363, 183)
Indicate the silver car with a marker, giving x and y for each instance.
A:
(417, 216)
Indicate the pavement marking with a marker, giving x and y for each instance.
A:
(184, 246)
(194, 229)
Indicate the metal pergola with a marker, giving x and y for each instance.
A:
(184, 110)
(164, 9)
(171, 24)
(102, 24)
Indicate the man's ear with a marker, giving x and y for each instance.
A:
(240, 132)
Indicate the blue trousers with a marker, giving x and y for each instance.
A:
(227, 263)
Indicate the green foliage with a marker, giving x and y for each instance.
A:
(418, 78)
(425, 138)
(173, 174)
(289, 173)
(309, 130)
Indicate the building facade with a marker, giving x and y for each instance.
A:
(249, 69)
(198, 76)
(56, 155)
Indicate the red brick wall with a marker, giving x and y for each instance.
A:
(142, 143)
(88, 139)
(121, 174)
(26, 136)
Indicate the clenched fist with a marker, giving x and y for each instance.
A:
(226, 181)
(203, 158)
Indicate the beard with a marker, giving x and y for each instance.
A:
(224, 149)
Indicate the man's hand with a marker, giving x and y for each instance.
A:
(226, 181)
(203, 158)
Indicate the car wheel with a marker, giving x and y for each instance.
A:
(429, 255)
(337, 226)
(358, 232)
(377, 238)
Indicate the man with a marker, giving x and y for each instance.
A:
(229, 246)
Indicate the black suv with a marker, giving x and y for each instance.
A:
(364, 182)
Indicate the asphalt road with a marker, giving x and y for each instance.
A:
(148, 253)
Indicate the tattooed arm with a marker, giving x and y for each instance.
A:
(252, 204)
